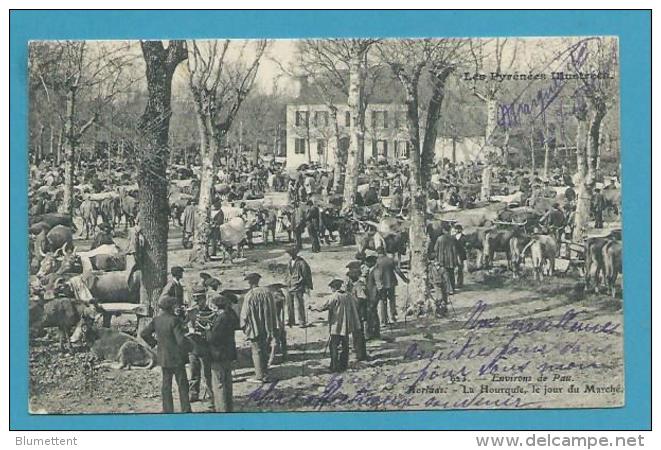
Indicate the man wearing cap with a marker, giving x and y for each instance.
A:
(174, 288)
(172, 352)
(258, 321)
(209, 282)
(299, 280)
(199, 317)
(385, 277)
(222, 351)
(343, 320)
(103, 237)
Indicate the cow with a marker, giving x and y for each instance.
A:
(517, 243)
(51, 220)
(58, 262)
(109, 210)
(89, 213)
(475, 217)
(108, 344)
(543, 249)
(63, 313)
(232, 235)
(331, 222)
(128, 209)
(395, 243)
(269, 221)
(594, 260)
(494, 241)
(58, 237)
(612, 200)
(612, 258)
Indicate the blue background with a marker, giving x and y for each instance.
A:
(634, 31)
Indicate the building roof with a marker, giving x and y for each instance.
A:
(381, 87)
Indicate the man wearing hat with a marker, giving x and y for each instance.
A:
(222, 351)
(313, 225)
(554, 219)
(299, 280)
(258, 321)
(103, 237)
(445, 261)
(385, 277)
(343, 320)
(174, 288)
(372, 326)
(172, 352)
(199, 317)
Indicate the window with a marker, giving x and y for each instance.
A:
(379, 119)
(399, 119)
(347, 119)
(301, 118)
(401, 149)
(299, 146)
(380, 148)
(321, 146)
(321, 118)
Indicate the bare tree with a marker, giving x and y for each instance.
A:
(594, 97)
(153, 158)
(408, 59)
(219, 87)
(93, 75)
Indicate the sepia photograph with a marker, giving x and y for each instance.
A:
(336, 224)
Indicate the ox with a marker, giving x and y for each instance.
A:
(113, 345)
(62, 313)
(543, 249)
(612, 257)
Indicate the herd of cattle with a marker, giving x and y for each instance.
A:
(60, 273)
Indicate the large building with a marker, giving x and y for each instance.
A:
(311, 132)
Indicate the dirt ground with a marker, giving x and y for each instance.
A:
(506, 344)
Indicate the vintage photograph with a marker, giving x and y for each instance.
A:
(324, 225)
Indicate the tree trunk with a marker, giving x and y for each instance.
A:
(431, 130)
(152, 181)
(51, 143)
(70, 152)
(532, 147)
(546, 152)
(492, 120)
(356, 134)
(340, 160)
(199, 254)
(584, 191)
(417, 229)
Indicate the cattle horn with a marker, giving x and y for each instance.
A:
(41, 251)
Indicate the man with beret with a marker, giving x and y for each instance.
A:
(222, 351)
(258, 321)
(172, 352)
(343, 320)
(199, 317)
(299, 281)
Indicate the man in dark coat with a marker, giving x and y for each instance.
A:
(598, 205)
(312, 219)
(299, 281)
(446, 259)
(372, 328)
(356, 286)
(385, 277)
(343, 320)
(258, 321)
(172, 352)
(222, 351)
